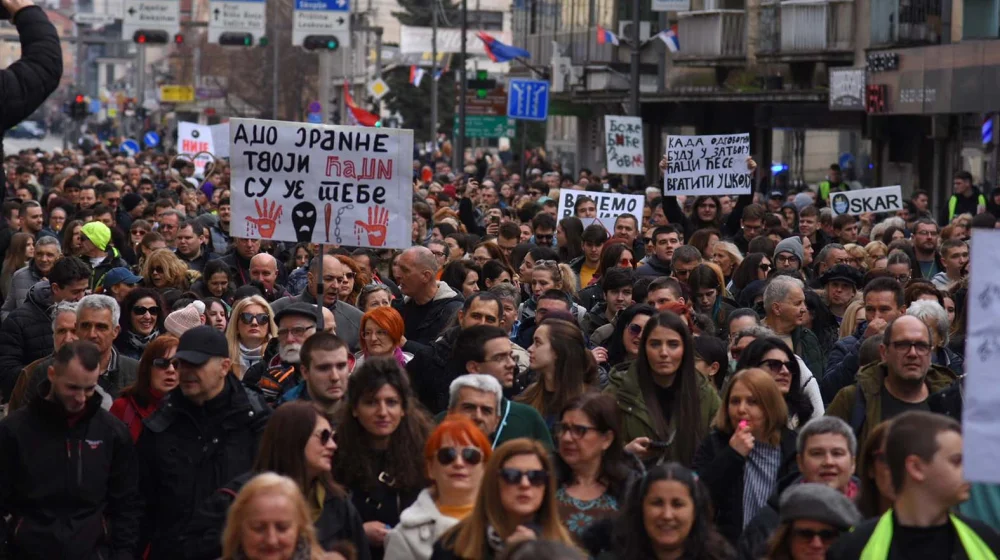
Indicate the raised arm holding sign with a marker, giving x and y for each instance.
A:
(699, 218)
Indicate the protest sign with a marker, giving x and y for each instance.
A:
(982, 349)
(713, 164)
(193, 138)
(609, 206)
(220, 139)
(882, 199)
(303, 183)
(623, 143)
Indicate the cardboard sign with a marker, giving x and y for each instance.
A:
(313, 183)
(623, 143)
(713, 164)
(982, 350)
(193, 138)
(882, 199)
(609, 206)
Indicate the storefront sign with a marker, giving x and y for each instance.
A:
(847, 89)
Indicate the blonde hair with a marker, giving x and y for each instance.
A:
(858, 252)
(233, 332)
(175, 271)
(732, 250)
(262, 485)
(850, 321)
(562, 275)
(875, 250)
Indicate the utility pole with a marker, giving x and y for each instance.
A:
(434, 82)
(459, 155)
(274, 74)
(634, 39)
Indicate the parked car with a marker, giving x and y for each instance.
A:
(27, 129)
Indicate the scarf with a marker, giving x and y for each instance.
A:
(250, 356)
(139, 342)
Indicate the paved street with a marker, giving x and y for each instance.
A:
(49, 143)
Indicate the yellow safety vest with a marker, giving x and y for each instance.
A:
(953, 202)
(881, 539)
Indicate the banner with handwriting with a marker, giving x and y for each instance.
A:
(711, 164)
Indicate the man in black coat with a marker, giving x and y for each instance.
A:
(26, 334)
(26, 84)
(205, 434)
(429, 304)
(69, 469)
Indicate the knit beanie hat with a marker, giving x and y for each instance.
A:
(791, 245)
(802, 200)
(185, 318)
(130, 201)
(98, 234)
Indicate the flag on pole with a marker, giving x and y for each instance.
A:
(358, 115)
(499, 52)
(605, 37)
(439, 73)
(670, 38)
(416, 75)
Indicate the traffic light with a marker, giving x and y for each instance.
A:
(263, 41)
(78, 109)
(321, 42)
(178, 39)
(481, 83)
(236, 39)
(151, 37)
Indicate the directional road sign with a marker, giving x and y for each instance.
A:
(151, 15)
(528, 100)
(321, 17)
(91, 18)
(130, 147)
(151, 139)
(483, 126)
(237, 16)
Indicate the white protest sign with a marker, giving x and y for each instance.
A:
(609, 206)
(220, 139)
(713, 164)
(882, 199)
(982, 349)
(623, 143)
(193, 138)
(301, 182)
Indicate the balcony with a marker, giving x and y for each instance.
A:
(807, 30)
(712, 38)
(905, 22)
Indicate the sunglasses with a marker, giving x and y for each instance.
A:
(774, 366)
(248, 318)
(577, 431)
(515, 476)
(139, 310)
(349, 275)
(156, 270)
(164, 363)
(635, 329)
(826, 535)
(139, 232)
(764, 267)
(470, 455)
(324, 437)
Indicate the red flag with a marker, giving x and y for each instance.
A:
(363, 117)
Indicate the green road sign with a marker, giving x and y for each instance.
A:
(481, 126)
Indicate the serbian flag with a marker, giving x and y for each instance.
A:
(670, 38)
(499, 52)
(605, 37)
(362, 117)
(416, 75)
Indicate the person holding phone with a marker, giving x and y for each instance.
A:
(27, 83)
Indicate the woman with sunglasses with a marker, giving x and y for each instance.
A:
(813, 516)
(164, 270)
(141, 321)
(380, 432)
(516, 502)
(623, 346)
(591, 471)
(666, 405)
(354, 280)
(755, 266)
(251, 328)
(297, 443)
(455, 457)
(799, 389)
(155, 378)
(138, 230)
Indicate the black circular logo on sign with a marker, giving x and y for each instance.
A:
(195, 134)
(840, 204)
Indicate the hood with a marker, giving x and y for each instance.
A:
(40, 294)
(654, 262)
(872, 376)
(445, 292)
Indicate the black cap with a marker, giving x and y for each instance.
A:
(844, 273)
(298, 309)
(200, 344)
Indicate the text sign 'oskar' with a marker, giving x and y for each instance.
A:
(301, 182)
(322, 18)
(712, 164)
(623, 145)
(151, 15)
(882, 199)
(237, 16)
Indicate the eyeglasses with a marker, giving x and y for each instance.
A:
(502, 358)
(297, 332)
(248, 318)
(544, 237)
(470, 455)
(635, 329)
(515, 476)
(156, 270)
(764, 267)
(647, 240)
(577, 431)
(349, 275)
(775, 366)
(438, 253)
(139, 232)
(324, 436)
(786, 260)
(902, 278)
(626, 263)
(139, 310)
(534, 193)
(826, 535)
(904, 346)
(164, 363)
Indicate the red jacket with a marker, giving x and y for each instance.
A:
(128, 411)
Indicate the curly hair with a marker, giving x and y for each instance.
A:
(174, 270)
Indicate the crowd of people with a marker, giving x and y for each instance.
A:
(717, 378)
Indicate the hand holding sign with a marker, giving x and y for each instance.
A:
(267, 218)
(751, 165)
(378, 222)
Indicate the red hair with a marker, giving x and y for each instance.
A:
(387, 319)
(681, 310)
(461, 430)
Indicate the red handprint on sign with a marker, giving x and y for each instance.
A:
(378, 222)
(267, 218)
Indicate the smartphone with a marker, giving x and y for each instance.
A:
(494, 219)
(659, 444)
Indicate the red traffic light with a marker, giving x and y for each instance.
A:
(179, 39)
(152, 37)
(79, 99)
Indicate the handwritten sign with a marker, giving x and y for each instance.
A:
(882, 199)
(302, 182)
(194, 138)
(608, 206)
(982, 349)
(623, 143)
(713, 164)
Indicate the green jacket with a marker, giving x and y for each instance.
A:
(806, 346)
(636, 422)
(871, 380)
(517, 420)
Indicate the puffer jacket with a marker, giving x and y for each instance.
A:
(25, 336)
(22, 281)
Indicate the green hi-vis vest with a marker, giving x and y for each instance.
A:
(953, 202)
(881, 539)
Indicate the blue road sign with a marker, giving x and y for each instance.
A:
(988, 130)
(315, 118)
(323, 5)
(315, 107)
(130, 147)
(151, 139)
(528, 100)
(95, 106)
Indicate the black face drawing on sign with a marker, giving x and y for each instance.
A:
(840, 204)
(304, 221)
(195, 134)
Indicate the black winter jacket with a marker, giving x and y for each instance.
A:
(25, 336)
(200, 261)
(186, 452)
(339, 521)
(72, 492)
(437, 313)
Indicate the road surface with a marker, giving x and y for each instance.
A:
(49, 143)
